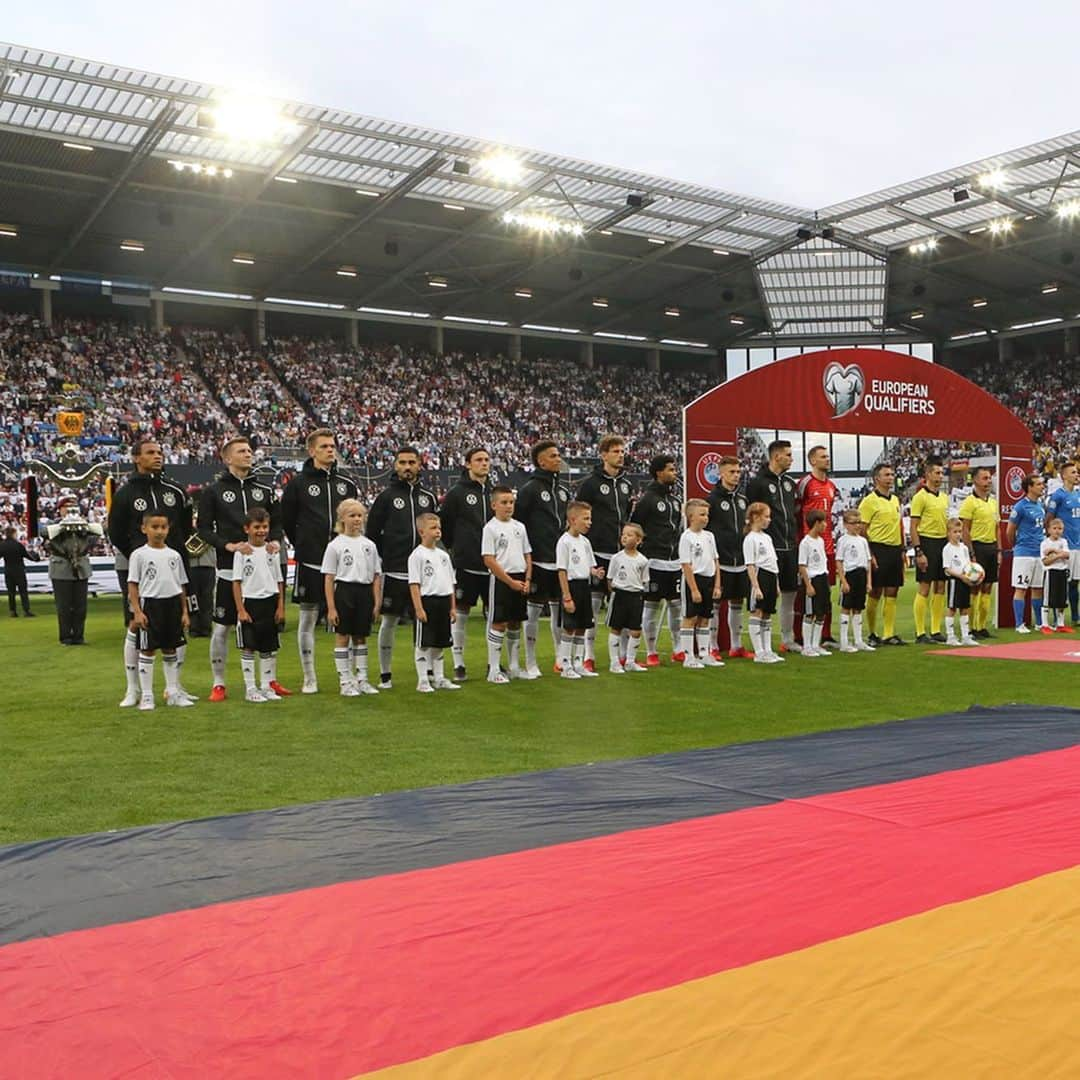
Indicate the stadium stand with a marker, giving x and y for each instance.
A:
(193, 386)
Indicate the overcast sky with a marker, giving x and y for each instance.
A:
(807, 103)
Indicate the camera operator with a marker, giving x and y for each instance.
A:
(69, 569)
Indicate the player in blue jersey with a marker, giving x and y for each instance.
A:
(1065, 504)
(1025, 534)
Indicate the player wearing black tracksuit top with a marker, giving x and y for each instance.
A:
(391, 526)
(659, 514)
(144, 491)
(610, 498)
(777, 491)
(541, 508)
(223, 505)
(308, 510)
(727, 523)
(464, 513)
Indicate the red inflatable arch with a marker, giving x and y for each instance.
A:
(858, 392)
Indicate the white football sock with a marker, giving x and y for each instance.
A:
(457, 638)
(131, 662)
(650, 625)
(787, 617)
(247, 666)
(532, 629)
(555, 610)
(495, 639)
(845, 628)
(267, 669)
(513, 649)
(146, 675)
(674, 620)
(597, 600)
(387, 628)
(305, 639)
(172, 672)
(421, 661)
(702, 635)
(614, 645)
(219, 652)
(734, 622)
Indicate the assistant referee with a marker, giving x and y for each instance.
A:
(929, 517)
(880, 514)
(980, 518)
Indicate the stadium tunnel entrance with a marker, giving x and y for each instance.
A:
(860, 392)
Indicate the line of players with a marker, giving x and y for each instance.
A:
(307, 515)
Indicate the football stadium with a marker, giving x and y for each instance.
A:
(382, 437)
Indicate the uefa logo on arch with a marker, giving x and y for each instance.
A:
(708, 470)
(1014, 482)
(844, 387)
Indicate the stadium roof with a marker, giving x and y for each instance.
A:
(138, 178)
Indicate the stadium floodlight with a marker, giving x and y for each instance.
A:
(720, 251)
(438, 282)
(921, 247)
(656, 240)
(243, 259)
(993, 180)
(1035, 322)
(684, 343)
(200, 168)
(247, 119)
(1049, 287)
(606, 232)
(736, 320)
(620, 337)
(502, 167)
(542, 223)
(672, 312)
(523, 293)
(304, 303)
(286, 180)
(600, 301)
(365, 191)
(346, 271)
(205, 292)
(917, 315)
(979, 301)
(475, 321)
(395, 311)
(9, 230)
(131, 245)
(77, 146)
(969, 334)
(1001, 226)
(1069, 210)
(551, 329)
(452, 206)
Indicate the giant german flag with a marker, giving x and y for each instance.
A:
(798, 923)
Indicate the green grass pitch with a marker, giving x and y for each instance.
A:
(75, 763)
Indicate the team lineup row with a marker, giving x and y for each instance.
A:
(731, 549)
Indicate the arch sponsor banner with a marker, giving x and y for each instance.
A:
(856, 392)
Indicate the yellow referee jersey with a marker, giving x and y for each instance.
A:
(932, 511)
(881, 516)
(983, 515)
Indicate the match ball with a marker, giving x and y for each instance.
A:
(974, 573)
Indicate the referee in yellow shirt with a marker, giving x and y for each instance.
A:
(980, 517)
(929, 514)
(880, 514)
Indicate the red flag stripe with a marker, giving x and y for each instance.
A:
(349, 978)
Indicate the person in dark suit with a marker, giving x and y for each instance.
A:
(15, 555)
